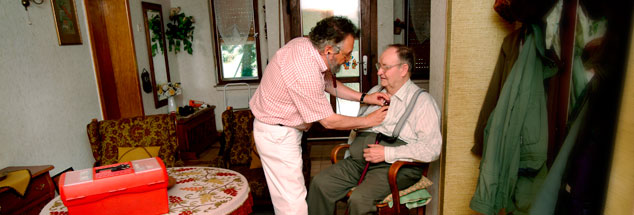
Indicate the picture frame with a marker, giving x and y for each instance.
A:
(66, 24)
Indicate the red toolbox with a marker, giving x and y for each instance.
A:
(135, 187)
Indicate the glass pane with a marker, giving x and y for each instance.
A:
(312, 11)
(239, 61)
(348, 108)
(345, 107)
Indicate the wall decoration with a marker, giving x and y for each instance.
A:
(66, 23)
(181, 29)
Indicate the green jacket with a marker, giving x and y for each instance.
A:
(516, 136)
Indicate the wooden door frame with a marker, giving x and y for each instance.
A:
(115, 65)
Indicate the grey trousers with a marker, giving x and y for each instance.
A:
(333, 183)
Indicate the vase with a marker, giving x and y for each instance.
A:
(171, 105)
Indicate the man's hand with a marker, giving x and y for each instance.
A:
(377, 98)
(374, 154)
(375, 118)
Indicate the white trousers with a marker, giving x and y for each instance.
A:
(281, 154)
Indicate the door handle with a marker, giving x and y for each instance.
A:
(365, 65)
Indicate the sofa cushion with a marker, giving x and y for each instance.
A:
(135, 153)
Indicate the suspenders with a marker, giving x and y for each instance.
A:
(397, 129)
(401, 121)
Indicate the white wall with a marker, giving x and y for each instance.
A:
(385, 25)
(438, 46)
(48, 92)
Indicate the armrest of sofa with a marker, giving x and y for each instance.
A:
(92, 129)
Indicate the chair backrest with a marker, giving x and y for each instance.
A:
(238, 133)
(107, 136)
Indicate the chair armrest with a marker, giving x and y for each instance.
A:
(335, 151)
(391, 177)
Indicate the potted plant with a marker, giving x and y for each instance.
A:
(180, 30)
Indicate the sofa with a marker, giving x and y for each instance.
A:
(107, 136)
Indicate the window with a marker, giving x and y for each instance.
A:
(235, 26)
(417, 35)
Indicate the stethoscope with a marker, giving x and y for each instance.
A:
(334, 80)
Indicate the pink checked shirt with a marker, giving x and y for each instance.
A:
(291, 92)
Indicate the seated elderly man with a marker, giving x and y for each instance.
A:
(419, 140)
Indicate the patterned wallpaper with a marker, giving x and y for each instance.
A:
(475, 34)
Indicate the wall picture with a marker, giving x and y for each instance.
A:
(66, 22)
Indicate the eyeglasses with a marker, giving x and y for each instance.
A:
(347, 56)
(386, 67)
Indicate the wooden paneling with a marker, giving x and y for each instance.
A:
(102, 61)
(123, 58)
(115, 58)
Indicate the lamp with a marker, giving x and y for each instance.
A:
(27, 3)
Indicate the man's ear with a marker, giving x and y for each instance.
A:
(328, 49)
(404, 69)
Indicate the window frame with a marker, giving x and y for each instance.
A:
(254, 35)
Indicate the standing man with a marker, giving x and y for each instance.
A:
(419, 140)
(291, 97)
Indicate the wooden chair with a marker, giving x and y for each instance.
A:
(383, 208)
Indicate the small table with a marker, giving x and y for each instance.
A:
(39, 192)
(196, 132)
(198, 190)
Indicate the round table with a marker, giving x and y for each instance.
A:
(198, 190)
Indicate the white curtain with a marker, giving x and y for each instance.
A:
(234, 19)
(419, 14)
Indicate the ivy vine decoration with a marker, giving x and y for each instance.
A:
(181, 29)
(155, 27)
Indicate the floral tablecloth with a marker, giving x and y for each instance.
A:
(198, 190)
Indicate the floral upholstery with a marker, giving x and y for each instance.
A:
(240, 151)
(237, 129)
(156, 130)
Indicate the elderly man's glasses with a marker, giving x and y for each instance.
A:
(386, 67)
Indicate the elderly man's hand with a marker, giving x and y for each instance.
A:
(377, 98)
(374, 154)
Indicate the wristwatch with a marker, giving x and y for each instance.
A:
(361, 99)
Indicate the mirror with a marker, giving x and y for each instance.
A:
(157, 52)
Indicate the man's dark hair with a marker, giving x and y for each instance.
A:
(405, 54)
(331, 31)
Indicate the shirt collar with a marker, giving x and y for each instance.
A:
(315, 54)
(402, 92)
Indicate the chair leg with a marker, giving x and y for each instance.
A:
(421, 210)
